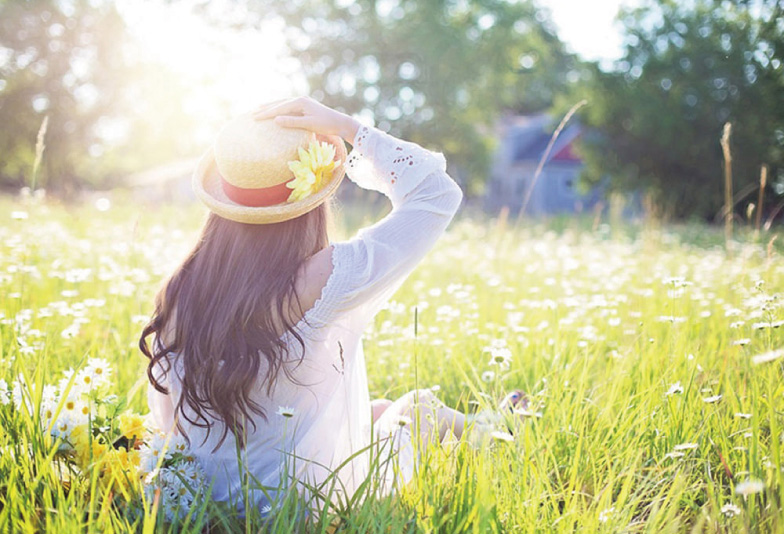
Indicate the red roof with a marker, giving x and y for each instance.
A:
(567, 153)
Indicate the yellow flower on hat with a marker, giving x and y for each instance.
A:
(312, 170)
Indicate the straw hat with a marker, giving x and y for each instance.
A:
(243, 176)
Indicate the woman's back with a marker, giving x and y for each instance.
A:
(317, 418)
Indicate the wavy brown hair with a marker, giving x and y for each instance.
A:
(223, 311)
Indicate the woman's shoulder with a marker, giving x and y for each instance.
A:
(313, 277)
(311, 282)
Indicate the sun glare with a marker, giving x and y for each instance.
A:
(223, 68)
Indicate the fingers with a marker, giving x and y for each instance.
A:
(294, 122)
(286, 107)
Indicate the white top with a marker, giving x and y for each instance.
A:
(332, 417)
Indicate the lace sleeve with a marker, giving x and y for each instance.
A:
(380, 162)
(369, 268)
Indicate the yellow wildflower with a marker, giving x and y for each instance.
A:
(120, 471)
(312, 170)
(132, 425)
(86, 450)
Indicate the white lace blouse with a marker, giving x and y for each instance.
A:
(330, 429)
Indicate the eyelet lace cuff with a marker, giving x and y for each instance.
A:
(381, 162)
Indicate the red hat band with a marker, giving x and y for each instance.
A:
(256, 197)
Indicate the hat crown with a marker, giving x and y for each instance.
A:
(254, 154)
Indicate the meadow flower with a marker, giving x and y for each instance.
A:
(743, 415)
(676, 281)
(749, 487)
(73, 402)
(100, 370)
(48, 408)
(499, 435)
(286, 411)
(741, 342)
(685, 446)
(604, 515)
(188, 470)
(63, 427)
(84, 380)
(87, 449)
(132, 425)
(148, 461)
(674, 454)
(488, 376)
(70, 332)
(119, 470)
(158, 444)
(5, 397)
(402, 420)
(670, 319)
(730, 510)
(763, 325)
(49, 394)
(676, 388)
(178, 444)
(767, 356)
(500, 356)
(21, 394)
(712, 399)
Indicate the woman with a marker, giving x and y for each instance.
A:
(257, 356)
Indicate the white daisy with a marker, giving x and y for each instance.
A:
(730, 510)
(286, 411)
(749, 487)
(63, 427)
(685, 447)
(499, 435)
(402, 420)
(5, 397)
(676, 388)
(21, 394)
(500, 356)
(100, 370)
(604, 515)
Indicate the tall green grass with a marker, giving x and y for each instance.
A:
(636, 347)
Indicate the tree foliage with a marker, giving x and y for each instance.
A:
(109, 113)
(438, 72)
(58, 59)
(688, 68)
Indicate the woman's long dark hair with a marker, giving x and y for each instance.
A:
(216, 312)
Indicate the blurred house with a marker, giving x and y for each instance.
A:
(523, 141)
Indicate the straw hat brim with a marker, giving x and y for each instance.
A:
(207, 186)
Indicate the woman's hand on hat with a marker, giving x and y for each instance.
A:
(304, 112)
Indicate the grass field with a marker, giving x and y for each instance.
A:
(657, 403)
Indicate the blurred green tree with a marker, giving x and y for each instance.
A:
(688, 68)
(58, 59)
(438, 72)
(109, 113)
